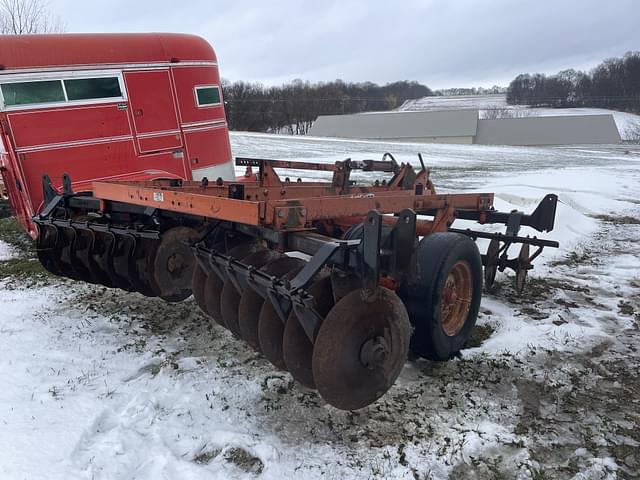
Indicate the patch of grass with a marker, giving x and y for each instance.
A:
(12, 233)
(572, 259)
(206, 456)
(566, 303)
(5, 209)
(625, 308)
(534, 313)
(22, 268)
(25, 265)
(244, 460)
(618, 220)
(479, 335)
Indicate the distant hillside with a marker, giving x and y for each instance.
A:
(495, 106)
(293, 107)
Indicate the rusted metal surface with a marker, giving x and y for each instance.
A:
(456, 298)
(286, 205)
(361, 348)
(296, 345)
(322, 278)
(174, 264)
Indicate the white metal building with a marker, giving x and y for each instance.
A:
(464, 127)
(443, 126)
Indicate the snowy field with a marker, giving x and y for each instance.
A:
(102, 384)
(628, 123)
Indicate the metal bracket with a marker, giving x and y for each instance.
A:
(48, 192)
(308, 317)
(513, 223)
(317, 262)
(371, 250)
(403, 243)
(66, 184)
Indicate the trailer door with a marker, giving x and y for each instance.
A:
(153, 112)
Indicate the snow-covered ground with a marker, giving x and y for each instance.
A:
(102, 384)
(456, 102)
(628, 123)
(6, 251)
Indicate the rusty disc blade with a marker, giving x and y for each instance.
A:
(523, 268)
(198, 282)
(101, 248)
(270, 333)
(121, 248)
(361, 348)
(139, 259)
(251, 301)
(46, 249)
(230, 296)
(245, 249)
(491, 262)
(296, 345)
(212, 290)
(174, 263)
(83, 252)
(214, 284)
(145, 255)
(67, 260)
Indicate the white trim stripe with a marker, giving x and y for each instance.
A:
(158, 134)
(206, 123)
(202, 129)
(75, 143)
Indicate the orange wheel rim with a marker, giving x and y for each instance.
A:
(455, 301)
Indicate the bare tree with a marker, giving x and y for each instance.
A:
(504, 112)
(21, 17)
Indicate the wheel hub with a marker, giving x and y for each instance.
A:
(374, 352)
(450, 295)
(176, 264)
(456, 298)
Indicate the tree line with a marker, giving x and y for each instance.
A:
(496, 89)
(21, 17)
(614, 84)
(293, 107)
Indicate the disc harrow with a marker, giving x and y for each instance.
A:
(334, 282)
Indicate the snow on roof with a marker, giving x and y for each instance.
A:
(557, 130)
(398, 125)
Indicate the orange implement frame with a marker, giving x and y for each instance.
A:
(293, 206)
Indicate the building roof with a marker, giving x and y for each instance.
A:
(556, 130)
(29, 52)
(398, 125)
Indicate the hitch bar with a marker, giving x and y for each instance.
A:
(542, 219)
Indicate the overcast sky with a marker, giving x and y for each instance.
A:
(441, 43)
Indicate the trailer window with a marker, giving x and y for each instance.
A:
(92, 88)
(207, 96)
(25, 93)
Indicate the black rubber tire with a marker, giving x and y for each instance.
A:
(436, 254)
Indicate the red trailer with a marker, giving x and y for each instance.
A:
(108, 106)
